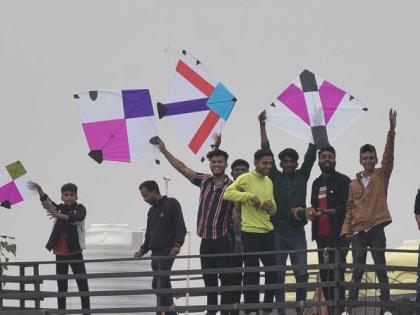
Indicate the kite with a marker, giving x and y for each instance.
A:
(119, 125)
(315, 110)
(13, 185)
(197, 105)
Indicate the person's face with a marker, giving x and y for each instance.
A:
(239, 170)
(368, 160)
(326, 162)
(148, 196)
(218, 165)
(264, 165)
(288, 165)
(69, 197)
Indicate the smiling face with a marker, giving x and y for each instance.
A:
(264, 165)
(368, 160)
(289, 165)
(326, 161)
(218, 165)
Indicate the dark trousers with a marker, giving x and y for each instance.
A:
(82, 284)
(218, 246)
(236, 279)
(374, 238)
(259, 242)
(162, 282)
(418, 283)
(329, 257)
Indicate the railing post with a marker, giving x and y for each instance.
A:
(22, 286)
(37, 286)
(337, 279)
(159, 286)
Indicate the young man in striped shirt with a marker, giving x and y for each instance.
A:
(214, 219)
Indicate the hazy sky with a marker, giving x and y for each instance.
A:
(50, 50)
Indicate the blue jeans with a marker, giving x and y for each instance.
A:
(294, 240)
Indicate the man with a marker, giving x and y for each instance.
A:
(165, 234)
(238, 167)
(417, 214)
(329, 198)
(290, 195)
(367, 210)
(214, 219)
(254, 190)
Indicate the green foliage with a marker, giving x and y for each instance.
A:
(7, 247)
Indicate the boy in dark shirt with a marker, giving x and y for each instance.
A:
(67, 239)
(165, 234)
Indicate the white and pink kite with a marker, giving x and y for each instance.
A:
(119, 125)
(197, 105)
(312, 108)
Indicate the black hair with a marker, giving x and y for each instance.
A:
(368, 148)
(69, 187)
(239, 162)
(150, 185)
(326, 149)
(217, 152)
(258, 155)
(291, 153)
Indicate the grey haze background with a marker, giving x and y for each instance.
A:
(50, 50)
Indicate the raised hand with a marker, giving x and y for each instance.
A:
(162, 146)
(35, 186)
(218, 141)
(392, 119)
(262, 117)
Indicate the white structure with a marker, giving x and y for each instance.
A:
(114, 241)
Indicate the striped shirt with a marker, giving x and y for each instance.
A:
(214, 219)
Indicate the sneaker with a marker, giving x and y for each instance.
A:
(345, 313)
(387, 313)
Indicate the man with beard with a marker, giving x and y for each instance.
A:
(214, 219)
(368, 213)
(289, 220)
(254, 191)
(165, 234)
(329, 198)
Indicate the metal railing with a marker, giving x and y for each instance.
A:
(36, 295)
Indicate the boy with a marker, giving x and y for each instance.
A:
(67, 239)
(254, 190)
(165, 234)
(367, 209)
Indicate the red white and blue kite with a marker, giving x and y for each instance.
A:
(312, 108)
(119, 125)
(197, 105)
(13, 185)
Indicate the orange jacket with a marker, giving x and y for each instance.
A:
(368, 207)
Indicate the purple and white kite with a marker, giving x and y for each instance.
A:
(119, 125)
(13, 185)
(312, 108)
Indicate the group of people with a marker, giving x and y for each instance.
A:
(261, 210)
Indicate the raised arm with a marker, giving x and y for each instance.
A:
(308, 161)
(265, 144)
(177, 164)
(388, 158)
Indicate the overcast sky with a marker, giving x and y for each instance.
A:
(50, 50)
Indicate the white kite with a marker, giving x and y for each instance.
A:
(119, 125)
(197, 105)
(13, 185)
(312, 108)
